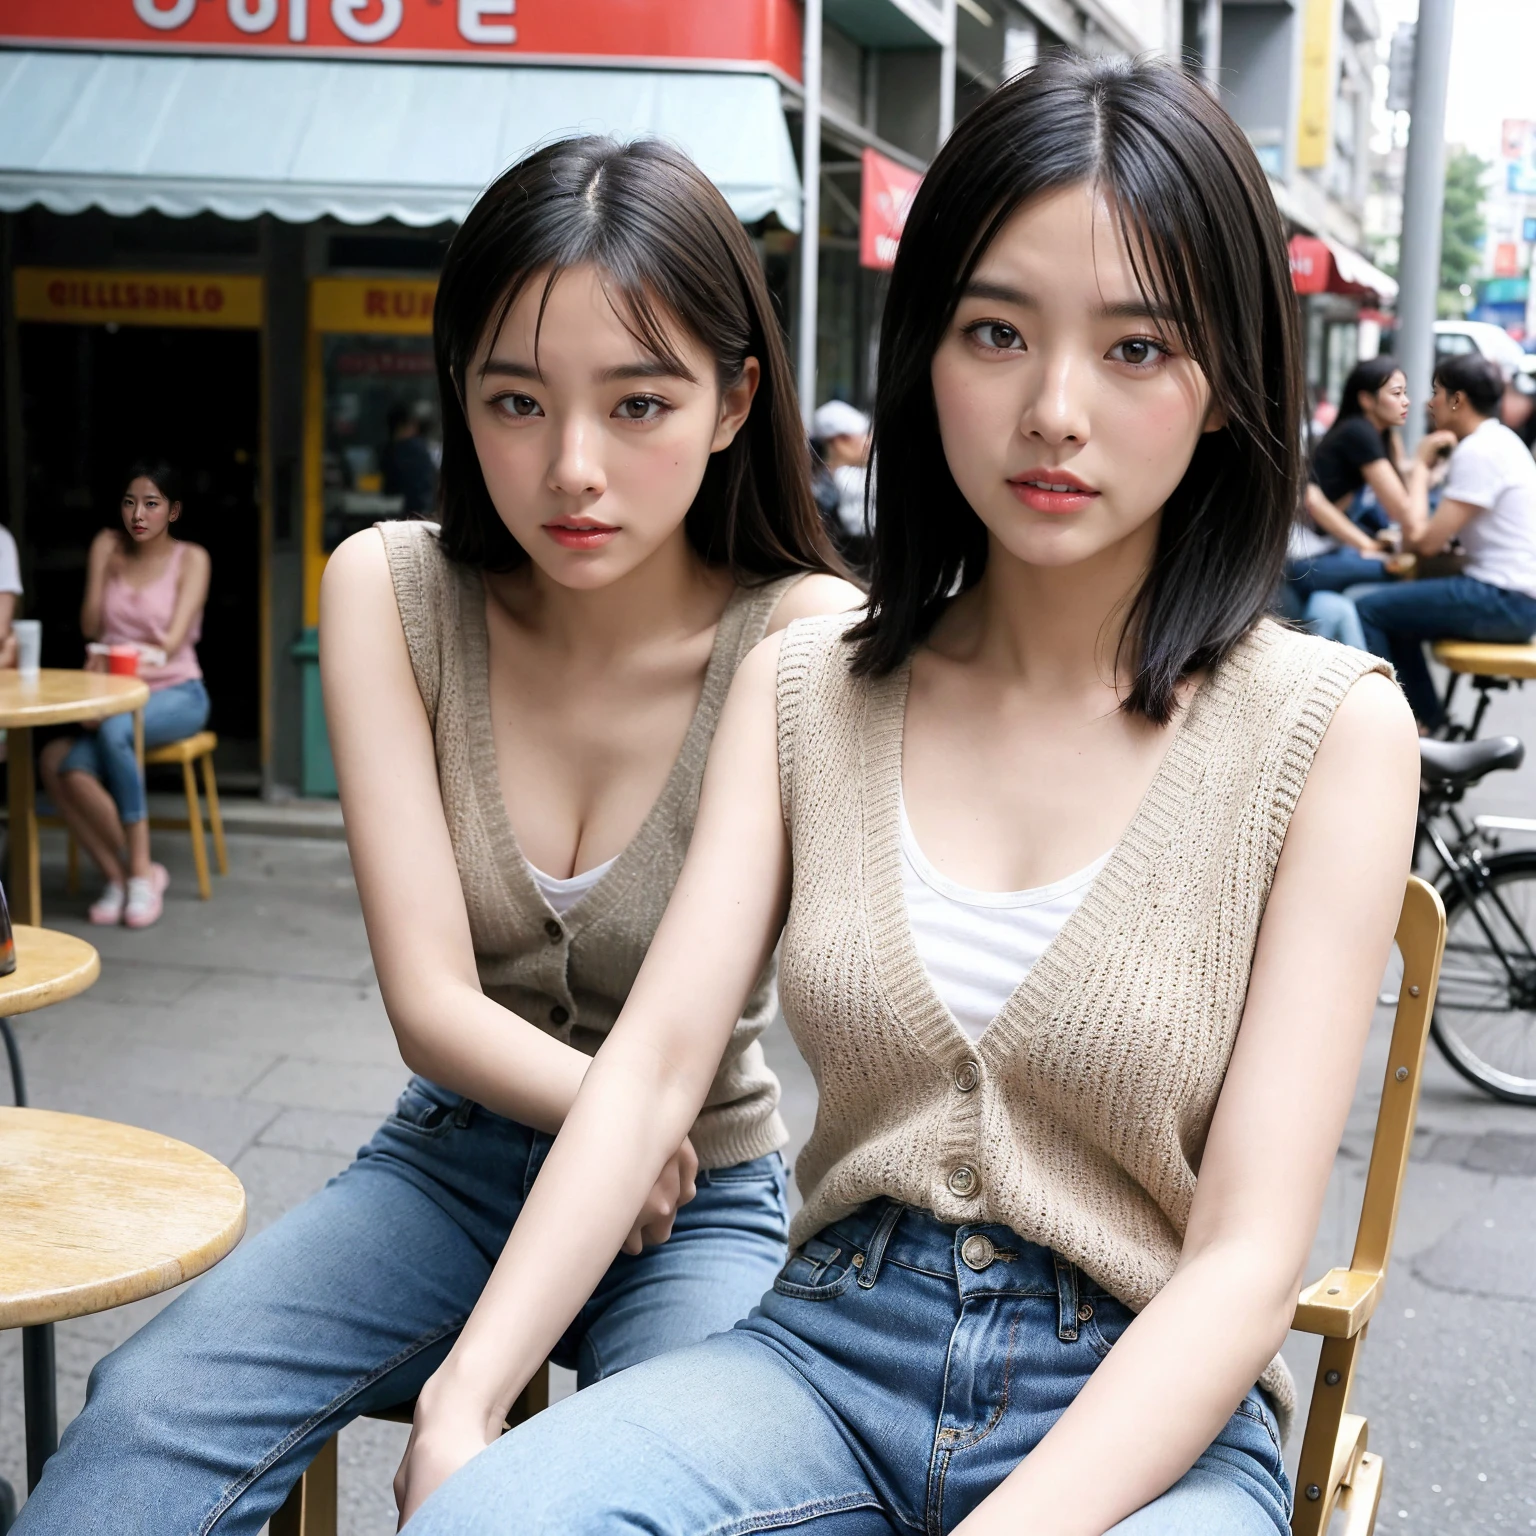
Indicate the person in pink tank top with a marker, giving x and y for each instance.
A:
(142, 588)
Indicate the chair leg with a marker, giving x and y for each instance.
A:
(195, 825)
(72, 865)
(215, 816)
(310, 1509)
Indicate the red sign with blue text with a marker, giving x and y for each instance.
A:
(618, 31)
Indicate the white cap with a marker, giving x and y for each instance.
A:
(838, 419)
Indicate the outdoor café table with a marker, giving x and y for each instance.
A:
(96, 1215)
(54, 697)
(50, 968)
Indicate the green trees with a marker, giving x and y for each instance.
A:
(1461, 231)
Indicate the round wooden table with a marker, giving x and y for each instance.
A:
(96, 1215)
(53, 697)
(50, 968)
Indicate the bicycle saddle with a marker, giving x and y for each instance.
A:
(1456, 764)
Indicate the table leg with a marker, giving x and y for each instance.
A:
(41, 1400)
(13, 1056)
(25, 892)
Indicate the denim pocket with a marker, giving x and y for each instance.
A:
(428, 1110)
(1259, 1433)
(1107, 1321)
(817, 1270)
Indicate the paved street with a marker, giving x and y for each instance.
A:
(251, 1027)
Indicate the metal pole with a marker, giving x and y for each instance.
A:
(1210, 46)
(1418, 267)
(810, 217)
(947, 77)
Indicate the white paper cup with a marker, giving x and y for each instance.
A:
(29, 646)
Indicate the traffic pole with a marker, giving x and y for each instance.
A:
(1418, 264)
(810, 215)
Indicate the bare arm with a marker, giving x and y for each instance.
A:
(7, 639)
(1322, 948)
(1449, 519)
(191, 595)
(103, 547)
(1406, 500)
(642, 1093)
(1334, 523)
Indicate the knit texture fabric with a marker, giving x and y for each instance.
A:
(1079, 1118)
(570, 975)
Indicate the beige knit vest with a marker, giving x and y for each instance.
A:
(570, 975)
(1079, 1118)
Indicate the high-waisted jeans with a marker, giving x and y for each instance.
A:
(896, 1373)
(172, 714)
(204, 1419)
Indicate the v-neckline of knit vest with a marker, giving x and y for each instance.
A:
(510, 861)
(905, 980)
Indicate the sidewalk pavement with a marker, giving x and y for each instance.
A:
(251, 1026)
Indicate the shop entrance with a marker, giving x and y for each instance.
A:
(96, 397)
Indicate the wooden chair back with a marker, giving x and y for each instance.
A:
(1337, 1471)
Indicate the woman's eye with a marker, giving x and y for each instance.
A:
(1139, 352)
(641, 408)
(517, 405)
(996, 336)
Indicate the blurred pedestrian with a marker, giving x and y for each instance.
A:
(840, 435)
(406, 460)
(146, 589)
(10, 590)
(1489, 504)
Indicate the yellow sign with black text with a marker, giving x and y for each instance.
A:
(67, 296)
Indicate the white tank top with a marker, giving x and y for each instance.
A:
(977, 946)
(562, 895)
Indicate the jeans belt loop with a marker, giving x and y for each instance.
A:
(1066, 1300)
(876, 1252)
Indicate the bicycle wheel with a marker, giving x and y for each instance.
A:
(1485, 1010)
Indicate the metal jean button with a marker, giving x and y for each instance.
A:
(967, 1075)
(977, 1251)
(963, 1182)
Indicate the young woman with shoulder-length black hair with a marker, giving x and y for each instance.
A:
(1079, 910)
(520, 705)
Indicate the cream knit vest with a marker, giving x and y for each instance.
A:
(570, 975)
(1079, 1118)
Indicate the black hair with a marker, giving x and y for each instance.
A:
(165, 476)
(1368, 377)
(1205, 240)
(673, 254)
(1472, 375)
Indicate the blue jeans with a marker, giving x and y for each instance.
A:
(1335, 571)
(889, 1381)
(204, 1419)
(172, 714)
(1398, 619)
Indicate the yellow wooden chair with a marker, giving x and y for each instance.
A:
(187, 752)
(311, 1507)
(1492, 669)
(1337, 1471)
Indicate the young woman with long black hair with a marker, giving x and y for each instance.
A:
(1080, 914)
(520, 705)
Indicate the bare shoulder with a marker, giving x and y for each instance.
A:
(358, 567)
(1372, 731)
(816, 594)
(196, 557)
(757, 674)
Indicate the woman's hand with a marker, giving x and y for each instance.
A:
(673, 1189)
(449, 1429)
(1432, 445)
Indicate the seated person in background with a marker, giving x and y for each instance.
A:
(1489, 503)
(10, 590)
(406, 461)
(1331, 553)
(840, 436)
(144, 588)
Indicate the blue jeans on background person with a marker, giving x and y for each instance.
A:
(1333, 616)
(1398, 619)
(204, 1419)
(1335, 571)
(171, 714)
(896, 1373)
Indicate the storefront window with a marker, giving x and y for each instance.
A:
(383, 435)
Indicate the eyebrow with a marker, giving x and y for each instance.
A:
(1131, 309)
(511, 368)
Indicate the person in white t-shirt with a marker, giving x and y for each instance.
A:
(840, 433)
(10, 590)
(1489, 503)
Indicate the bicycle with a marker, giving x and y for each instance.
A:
(1485, 1014)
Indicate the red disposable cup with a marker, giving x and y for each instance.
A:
(123, 660)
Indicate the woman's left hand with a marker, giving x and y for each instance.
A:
(445, 1434)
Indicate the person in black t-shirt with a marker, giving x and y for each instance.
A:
(1330, 552)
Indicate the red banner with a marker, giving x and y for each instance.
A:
(888, 192)
(753, 31)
